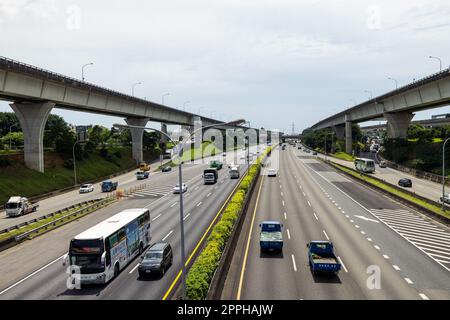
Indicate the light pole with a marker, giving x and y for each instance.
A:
(180, 182)
(332, 134)
(74, 162)
(440, 61)
(82, 69)
(132, 87)
(396, 82)
(443, 173)
(166, 94)
(10, 135)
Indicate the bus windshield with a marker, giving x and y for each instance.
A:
(12, 205)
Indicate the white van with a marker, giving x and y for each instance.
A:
(234, 173)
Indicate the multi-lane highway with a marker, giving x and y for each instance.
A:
(33, 269)
(387, 250)
(422, 187)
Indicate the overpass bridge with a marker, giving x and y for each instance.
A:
(35, 92)
(429, 123)
(397, 107)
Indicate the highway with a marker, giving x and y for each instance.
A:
(422, 187)
(33, 269)
(370, 232)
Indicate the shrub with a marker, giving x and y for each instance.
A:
(68, 163)
(4, 162)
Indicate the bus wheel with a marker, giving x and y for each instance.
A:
(116, 271)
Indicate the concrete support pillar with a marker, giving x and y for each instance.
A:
(189, 129)
(348, 136)
(339, 131)
(164, 129)
(136, 136)
(32, 118)
(397, 124)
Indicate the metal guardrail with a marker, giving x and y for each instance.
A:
(23, 224)
(96, 204)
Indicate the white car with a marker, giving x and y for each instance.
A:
(446, 198)
(86, 188)
(176, 189)
(272, 173)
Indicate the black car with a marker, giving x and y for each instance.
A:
(166, 169)
(157, 259)
(405, 183)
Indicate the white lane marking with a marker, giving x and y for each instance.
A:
(293, 262)
(199, 204)
(186, 216)
(343, 211)
(363, 233)
(159, 215)
(304, 194)
(356, 226)
(315, 216)
(132, 270)
(32, 274)
(326, 235)
(289, 234)
(309, 203)
(377, 247)
(352, 221)
(283, 203)
(347, 216)
(423, 296)
(168, 235)
(285, 216)
(196, 188)
(366, 219)
(208, 194)
(386, 256)
(173, 204)
(369, 239)
(342, 263)
(396, 267)
(409, 281)
(282, 194)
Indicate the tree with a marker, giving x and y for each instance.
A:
(8, 119)
(55, 130)
(15, 138)
(99, 135)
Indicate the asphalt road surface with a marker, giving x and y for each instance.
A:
(388, 251)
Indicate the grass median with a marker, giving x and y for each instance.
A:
(392, 190)
(202, 271)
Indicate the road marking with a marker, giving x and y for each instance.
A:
(423, 296)
(409, 281)
(199, 204)
(326, 235)
(342, 263)
(132, 270)
(283, 203)
(386, 256)
(367, 219)
(168, 235)
(282, 194)
(377, 247)
(196, 188)
(208, 194)
(362, 232)
(289, 234)
(396, 267)
(186, 216)
(369, 239)
(293, 262)
(315, 216)
(241, 280)
(356, 226)
(159, 215)
(347, 216)
(343, 211)
(32, 274)
(309, 203)
(285, 216)
(173, 204)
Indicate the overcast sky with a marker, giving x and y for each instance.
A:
(272, 62)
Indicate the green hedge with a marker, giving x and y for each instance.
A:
(202, 270)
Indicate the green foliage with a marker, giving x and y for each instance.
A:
(203, 269)
(16, 139)
(4, 162)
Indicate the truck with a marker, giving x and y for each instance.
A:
(234, 172)
(17, 206)
(216, 164)
(210, 176)
(140, 175)
(322, 258)
(270, 237)
(167, 154)
(143, 166)
(108, 186)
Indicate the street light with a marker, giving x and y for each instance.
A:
(396, 82)
(440, 61)
(10, 135)
(166, 94)
(443, 173)
(82, 69)
(74, 162)
(132, 87)
(180, 182)
(332, 134)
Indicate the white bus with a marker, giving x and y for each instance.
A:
(98, 254)
(365, 165)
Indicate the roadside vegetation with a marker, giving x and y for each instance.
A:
(202, 271)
